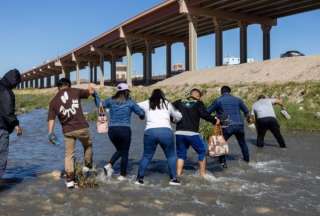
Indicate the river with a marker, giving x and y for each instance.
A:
(276, 182)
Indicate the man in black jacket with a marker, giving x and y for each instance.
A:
(8, 119)
(187, 130)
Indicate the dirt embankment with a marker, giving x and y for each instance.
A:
(296, 69)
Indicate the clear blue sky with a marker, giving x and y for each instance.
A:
(32, 31)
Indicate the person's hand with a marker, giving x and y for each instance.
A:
(142, 117)
(217, 121)
(18, 130)
(91, 89)
(53, 139)
(250, 119)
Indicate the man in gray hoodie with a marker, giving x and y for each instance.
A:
(8, 118)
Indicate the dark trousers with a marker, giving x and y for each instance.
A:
(265, 124)
(238, 132)
(121, 139)
(4, 150)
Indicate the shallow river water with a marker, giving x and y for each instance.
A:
(276, 182)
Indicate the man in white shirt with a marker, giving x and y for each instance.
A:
(266, 119)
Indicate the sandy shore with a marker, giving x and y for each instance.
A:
(297, 69)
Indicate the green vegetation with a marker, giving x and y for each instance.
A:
(302, 100)
(26, 102)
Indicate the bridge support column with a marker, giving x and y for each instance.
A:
(186, 54)
(36, 84)
(218, 42)
(243, 43)
(78, 73)
(148, 63)
(41, 82)
(31, 84)
(129, 63)
(101, 70)
(48, 82)
(113, 65)
(193, 40)
(169, 59)
(95, 74)
(26, 84)
(65, 73)
(56, 80)
(266, 41)
(90, 72)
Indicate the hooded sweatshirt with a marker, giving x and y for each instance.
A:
(192, 111)
(8, 119)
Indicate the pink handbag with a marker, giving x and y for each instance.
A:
(102, 121)
(217, 145)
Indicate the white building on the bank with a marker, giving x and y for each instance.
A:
(235, 60)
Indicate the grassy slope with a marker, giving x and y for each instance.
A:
(301, 99)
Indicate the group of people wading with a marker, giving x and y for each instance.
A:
(159, 115)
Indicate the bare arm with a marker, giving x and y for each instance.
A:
(51, 124)
(278, 102)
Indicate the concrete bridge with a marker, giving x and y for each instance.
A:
(173, 21)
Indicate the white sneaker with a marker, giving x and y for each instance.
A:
(85, 170)
(122, 178)
(108, 170)
(174, 182)
(70, 184)
(139, 182)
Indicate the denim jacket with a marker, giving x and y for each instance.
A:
(120, 113)
(230, 107)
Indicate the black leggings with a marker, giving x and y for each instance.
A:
(120, 136)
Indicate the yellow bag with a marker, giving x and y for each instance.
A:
(217, 145)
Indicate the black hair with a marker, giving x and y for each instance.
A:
(196, 90)
(121, 96)
(158, 100)
(64, 82)
(261, 97)
(225, 89)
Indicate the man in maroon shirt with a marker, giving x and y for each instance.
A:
(66, 105)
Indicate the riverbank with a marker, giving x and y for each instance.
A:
(302, 100)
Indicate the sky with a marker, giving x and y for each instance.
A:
(34, 31)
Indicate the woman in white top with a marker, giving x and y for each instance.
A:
(158, 113)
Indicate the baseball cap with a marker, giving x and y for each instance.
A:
(122, 87)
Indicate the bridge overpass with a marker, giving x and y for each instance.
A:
(172, 21)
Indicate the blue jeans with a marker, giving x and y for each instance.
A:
(4, 150)
(153, 137)
(238, 131)
(183, 143)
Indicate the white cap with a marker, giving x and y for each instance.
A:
(122, 87)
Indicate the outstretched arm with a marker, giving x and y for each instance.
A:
(51, 124)
(204, 114)
(213, 107)
(137, 110)
(278, 102)
(174, 113)
(97, 101)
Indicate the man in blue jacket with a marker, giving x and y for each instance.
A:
(228, 109)
(8, 118)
